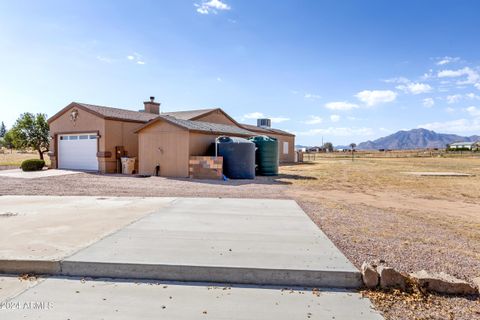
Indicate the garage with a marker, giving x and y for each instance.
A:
(78, 151)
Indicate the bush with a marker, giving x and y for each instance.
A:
(32, 165)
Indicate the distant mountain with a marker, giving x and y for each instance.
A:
(414, 139)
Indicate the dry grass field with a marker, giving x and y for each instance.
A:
(373, 209)
(390, 204)
(13, 158)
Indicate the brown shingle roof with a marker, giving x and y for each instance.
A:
(265, 130)
(181, 118)
(200, 126)
(187, 115)
(120, 114)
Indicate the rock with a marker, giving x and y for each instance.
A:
(442, 283)
(369, 275)
(390, 278)
(476, 281)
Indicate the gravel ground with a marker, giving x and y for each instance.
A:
(409, 244)
(405, 240)
(118, 185)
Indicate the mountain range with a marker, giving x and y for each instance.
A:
(415, 139)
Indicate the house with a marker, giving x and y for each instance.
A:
(92, 137)
(473, 146)
(315, 149)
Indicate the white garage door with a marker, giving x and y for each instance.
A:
(78, 151)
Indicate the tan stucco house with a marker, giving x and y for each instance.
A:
(91, 137)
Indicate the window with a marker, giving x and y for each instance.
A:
(63, 138)
(73, 138)
(83, 137)
(92, 136)
(285, 147)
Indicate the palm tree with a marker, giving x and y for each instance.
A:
(353, 145)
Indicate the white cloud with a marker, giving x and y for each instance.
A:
(447, 60)
(219, 79)
(473, 111)
(415, 88)
(254, 115)
(408, 86)
(472, 96)
(428, 75)
(428, 102)
(311, 96)
(279, 119)
(337, 132)
(314, 120)
(454, 126)
(454, 98)
(212, 6)
(397, 80)
(460, 126)
(258, 115)
(374, 97)
(104, 59)
(334, 118)
(136, 58)
(472, 76)
(340, 105)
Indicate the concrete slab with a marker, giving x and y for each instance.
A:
(11, 286)
(75, 299)
(19, 174)
(250, 241)
(51, 228)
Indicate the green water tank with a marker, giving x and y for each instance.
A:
(266, 155)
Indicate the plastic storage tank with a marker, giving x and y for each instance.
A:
(266, 156)
(238, 157)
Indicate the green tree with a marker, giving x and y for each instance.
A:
(31, 131)
(353, 145)
(7, 141)
(328, 146)
(3, 130)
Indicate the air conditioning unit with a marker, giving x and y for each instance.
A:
(264, 123)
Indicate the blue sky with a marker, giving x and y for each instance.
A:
(347, 71)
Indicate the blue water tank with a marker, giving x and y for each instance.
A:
(238, 157)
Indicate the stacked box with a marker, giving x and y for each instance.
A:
(206, 167)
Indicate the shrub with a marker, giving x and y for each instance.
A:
(32, 165)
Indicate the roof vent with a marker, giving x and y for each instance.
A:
(264, 123)
(152, 99)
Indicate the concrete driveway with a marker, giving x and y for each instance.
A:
(52, 228)
(192, 248)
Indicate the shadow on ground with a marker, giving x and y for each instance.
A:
(281, 179)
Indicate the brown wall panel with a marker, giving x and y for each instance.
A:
(164, 144)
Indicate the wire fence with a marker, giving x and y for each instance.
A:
(312, 156)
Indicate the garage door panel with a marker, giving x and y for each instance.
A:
(78, 152)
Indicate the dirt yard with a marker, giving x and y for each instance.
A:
(373, 209)
(370, 208)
